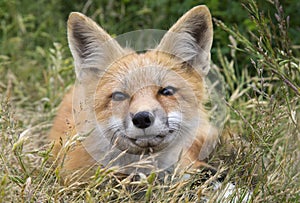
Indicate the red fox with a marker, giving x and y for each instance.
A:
(129, 107)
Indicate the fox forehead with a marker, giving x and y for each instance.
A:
(153, 68)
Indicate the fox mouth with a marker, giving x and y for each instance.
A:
(149, 141)
(160, 137)
(143, 144)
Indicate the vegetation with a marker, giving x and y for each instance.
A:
(256, 48)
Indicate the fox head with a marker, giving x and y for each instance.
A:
(142, 103)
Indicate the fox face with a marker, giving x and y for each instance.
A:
(139, 105)
(145, 101)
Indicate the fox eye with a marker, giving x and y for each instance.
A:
(119, 96)
(167, 91)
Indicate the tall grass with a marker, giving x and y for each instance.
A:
(262, 124)
(267, 103)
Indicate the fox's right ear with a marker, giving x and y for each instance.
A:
(92, 48)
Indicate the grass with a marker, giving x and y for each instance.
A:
(262, 96)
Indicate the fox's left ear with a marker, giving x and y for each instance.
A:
(190, 38)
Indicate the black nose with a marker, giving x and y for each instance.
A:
(143, 119)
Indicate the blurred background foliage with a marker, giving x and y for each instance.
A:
(31, 27)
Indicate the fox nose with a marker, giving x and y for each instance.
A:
(143, 119)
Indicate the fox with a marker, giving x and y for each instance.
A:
(137, 111)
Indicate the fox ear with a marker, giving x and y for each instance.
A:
(92, 48)
(190, 38)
